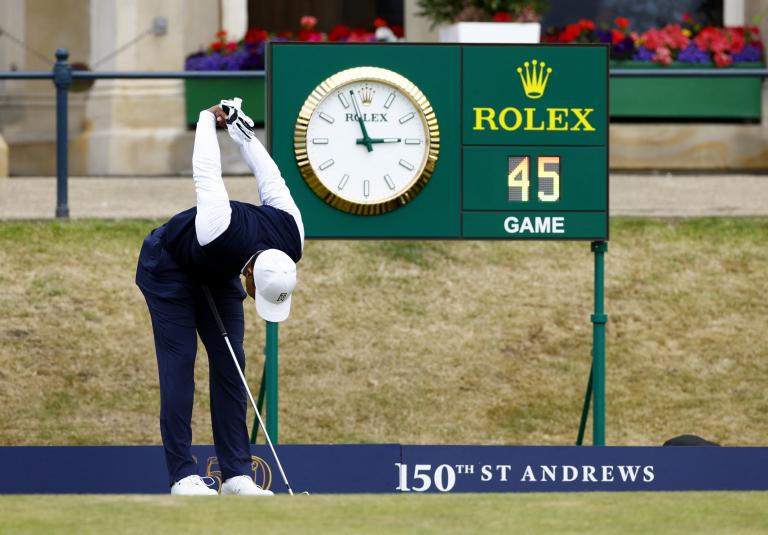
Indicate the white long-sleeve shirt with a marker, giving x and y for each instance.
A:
(213, 209)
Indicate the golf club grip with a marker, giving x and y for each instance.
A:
(214, 310)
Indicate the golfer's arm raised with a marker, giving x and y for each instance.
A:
(213, 209)
(272, 189)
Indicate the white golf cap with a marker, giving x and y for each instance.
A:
(274, 274)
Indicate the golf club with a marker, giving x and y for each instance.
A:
(215, 312)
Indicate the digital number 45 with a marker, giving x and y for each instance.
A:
(548, 174)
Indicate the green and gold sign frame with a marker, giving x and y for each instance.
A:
(539, 112)
(523, 151)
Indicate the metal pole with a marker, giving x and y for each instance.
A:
(271, 364)
(62, 78)
(599, 319)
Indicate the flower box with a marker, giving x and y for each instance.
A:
(202, 94)
(491, 32)
(738, 98)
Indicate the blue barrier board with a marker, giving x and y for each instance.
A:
(395, 468)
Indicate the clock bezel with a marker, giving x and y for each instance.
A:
(426, 115)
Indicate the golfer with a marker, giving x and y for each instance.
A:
(213, 244)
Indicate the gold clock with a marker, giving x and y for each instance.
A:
(366, 140)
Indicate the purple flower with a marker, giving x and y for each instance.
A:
(750, 52)
(246, 57)
(693, 54)
(603, 36)
(643, 54)
(624, 49)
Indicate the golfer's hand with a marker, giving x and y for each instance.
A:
(218, 113)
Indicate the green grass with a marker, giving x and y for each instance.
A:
(409, 341)
(691, 512)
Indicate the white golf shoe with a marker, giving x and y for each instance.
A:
(244, 486)
(192, 486)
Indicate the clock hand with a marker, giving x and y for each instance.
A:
(366, 138)
(361, 141)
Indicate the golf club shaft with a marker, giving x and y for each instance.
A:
(223, 330)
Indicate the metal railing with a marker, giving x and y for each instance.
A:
(63, 75)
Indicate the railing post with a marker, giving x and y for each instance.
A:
(62, 78)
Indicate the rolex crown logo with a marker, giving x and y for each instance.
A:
(366, 95)
(534, 78)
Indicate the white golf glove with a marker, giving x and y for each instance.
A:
(239, 125)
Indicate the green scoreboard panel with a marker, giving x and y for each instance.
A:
(442, 140)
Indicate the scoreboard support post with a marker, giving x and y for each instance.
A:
(599, 319)
(269, 385)
(596, 381)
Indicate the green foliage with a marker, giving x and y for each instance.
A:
(449, 11)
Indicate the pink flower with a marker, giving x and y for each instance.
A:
(670, 36)
(651, 39)
(308, 22)
(663, 56)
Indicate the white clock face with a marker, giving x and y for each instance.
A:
(373, 162)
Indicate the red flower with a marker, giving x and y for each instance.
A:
(622, 22)
(230, 47)
(339, 32)
(398, 30)
(585, 24)
(719, 41)
(221, 34)
(570, 33)
(686, 17)
(216, 46)
(722, 59)
(503, 16)
(360, 35)
(309, 35)
(737, 40)
(255, 36)
(378, 22)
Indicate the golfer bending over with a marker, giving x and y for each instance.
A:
(213, 244)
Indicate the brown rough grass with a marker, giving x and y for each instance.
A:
(413, 342)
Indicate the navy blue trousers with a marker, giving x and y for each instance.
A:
(180, 312)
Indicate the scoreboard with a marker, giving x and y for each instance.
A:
(442, 140)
